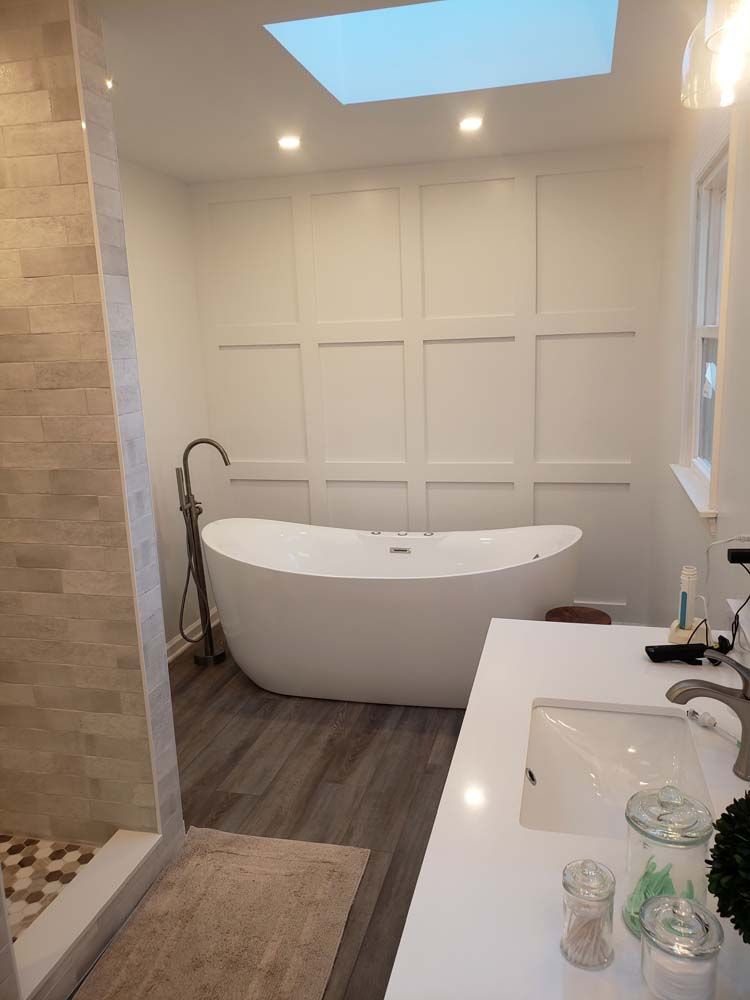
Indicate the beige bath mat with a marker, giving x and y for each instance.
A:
(234, 918)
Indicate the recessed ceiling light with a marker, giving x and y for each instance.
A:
(109, 83)
(471, 124)
(290, 142)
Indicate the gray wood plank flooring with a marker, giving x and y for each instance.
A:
(334, 772)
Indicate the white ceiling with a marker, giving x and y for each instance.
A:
(203, 91)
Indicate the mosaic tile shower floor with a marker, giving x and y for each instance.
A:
(35, 872)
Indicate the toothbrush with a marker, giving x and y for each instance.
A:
(688, 581)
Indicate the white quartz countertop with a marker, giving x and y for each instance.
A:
(486, 916)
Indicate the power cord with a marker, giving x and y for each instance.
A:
(703, 621)
(735, 627)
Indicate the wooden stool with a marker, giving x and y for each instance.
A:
(578, 613)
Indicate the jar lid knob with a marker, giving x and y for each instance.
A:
(670, 797)
(588, 879)
(681, 927)
(684, 922)
(684, 914)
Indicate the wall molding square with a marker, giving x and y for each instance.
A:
(250, 261)
(589, 237)
(356, 245)
(469, 235)
(364, 401)
(587, 402)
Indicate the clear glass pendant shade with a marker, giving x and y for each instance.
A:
(728, 22)
(714, 79)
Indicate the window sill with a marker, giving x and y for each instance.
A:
(697, 488)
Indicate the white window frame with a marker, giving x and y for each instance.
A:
(709, 287)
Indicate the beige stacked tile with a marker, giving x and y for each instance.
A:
(86, 734)
(86, 737)
(118, 314)
(71, 693)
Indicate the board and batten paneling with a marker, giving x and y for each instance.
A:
(440, 347)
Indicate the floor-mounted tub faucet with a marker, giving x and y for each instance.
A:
(738, 699)
(191, 510)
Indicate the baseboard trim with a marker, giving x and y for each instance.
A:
(177, 646)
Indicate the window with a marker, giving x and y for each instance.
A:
(712, 211)
(697, 459)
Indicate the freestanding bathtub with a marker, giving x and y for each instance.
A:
(378, 616)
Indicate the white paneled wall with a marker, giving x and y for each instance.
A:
(585, 385)
(356, 256)
(589, 233)
(362, 387)
(470, 399)
(456, 219)
(441, 347)
(258, 410)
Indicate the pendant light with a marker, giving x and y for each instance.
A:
(715, 79)
(728, 22)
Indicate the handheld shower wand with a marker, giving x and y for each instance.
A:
(191, 510)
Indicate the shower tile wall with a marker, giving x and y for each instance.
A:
(139, 516)
(74, 753)
(84, 666)
(86, 735)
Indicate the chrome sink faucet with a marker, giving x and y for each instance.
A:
(738, 699)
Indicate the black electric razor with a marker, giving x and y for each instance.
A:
(688, 652)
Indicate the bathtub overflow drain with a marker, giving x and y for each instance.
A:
(530, 776)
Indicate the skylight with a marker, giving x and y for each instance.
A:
(447, 46)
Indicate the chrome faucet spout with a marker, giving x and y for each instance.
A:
(735, 698)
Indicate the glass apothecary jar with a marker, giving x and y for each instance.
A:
(668, 839)
(588, 905)
(680, 943)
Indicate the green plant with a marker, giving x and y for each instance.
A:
(729, 876)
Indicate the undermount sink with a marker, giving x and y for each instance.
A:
(584, 761)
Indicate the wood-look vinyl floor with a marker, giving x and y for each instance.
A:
(332, 772)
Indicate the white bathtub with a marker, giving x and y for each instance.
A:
(378, 617)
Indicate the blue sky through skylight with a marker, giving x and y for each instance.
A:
(448, 46)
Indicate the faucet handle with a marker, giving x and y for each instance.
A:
(693, 653)
(740, 668)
